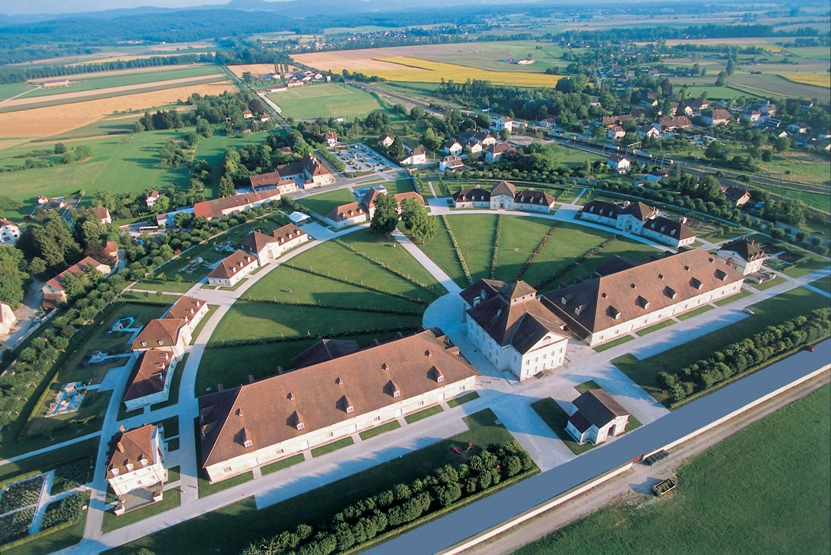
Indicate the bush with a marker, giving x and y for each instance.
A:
(16, 525)
(72, 475)
(67, 509)
(21, 494)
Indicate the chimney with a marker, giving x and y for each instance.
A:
(250, 378)
(399, 335)
(279, 370)
(375, 343)
(120, 447)
(121, 429)
(220, 387)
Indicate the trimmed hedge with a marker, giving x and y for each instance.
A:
(16, 525)
(386, 267)
(21, 494)
(457, 249)
(579, 260)
(495, 256)
(62, 511)
(536, 252)
(72, 475)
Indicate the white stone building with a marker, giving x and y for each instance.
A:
(166, 334)
(640, 219)
(150, 379)
(9, 231)
(595, 417)
(232, 269)
(136, 471)
(742, 254)
(267, 248)
(189, 309)
(7, 319)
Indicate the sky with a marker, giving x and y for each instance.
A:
(21, 7)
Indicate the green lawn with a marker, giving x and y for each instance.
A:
(770, 312)
(461, 400)
(780, 506)
(519, 238)
(50, 460)
(422, 414)
(475, 234)
(326, 101)
(315, 506)
(383, 428)
(587, 386)
(212, 150)
(622, 247)
(615, 343)
(231, 366)
(280, 465)
(812, 264)
(778, 280)
(656, 327)
(171, 500)
(325, 202)
(823, 283)
(744, 293)
(440, 250)
(339, 262)
(557, 420)
(696, 312)
(331, 447)
(567, 243)
(381, 248)
(399, 186)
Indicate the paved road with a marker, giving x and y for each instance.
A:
(445, 532)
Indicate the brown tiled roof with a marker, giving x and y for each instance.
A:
(498, 148)
(678, 121)
(323, 350)
(269, 410)
(670, 228)
(637, 210)
(540, 198)
(598, 407)
(721, 114)
(101, 212)
(601, 303)
(744, 247)
(159, 333)
(255, 241)
(232, 265)
(287, 233)
(4, 222)
(472, 194)
(503, 188)
(346, 211)
(409, 195)
(614, 265)
(184, 308)
(130, 448)
(511, 321)
(270, 179)
(74, 270)
(148, 375)
(313, 167)
(734, 193)
(214, 208)
(484, 289)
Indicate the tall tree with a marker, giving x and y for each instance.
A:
(418, 223)
(386, 214)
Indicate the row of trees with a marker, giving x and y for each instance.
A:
(744, 355)
(400, 505)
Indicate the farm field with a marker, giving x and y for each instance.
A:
(768, 83)
(326, 101)
(317, 505)
(415, 69)
(770, 312)
(256, 69)
(55, 120)
(212, 150)
(708, 514)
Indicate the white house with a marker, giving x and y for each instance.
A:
(454, 147)
(620, 164)
(149, 382)
(595, 417)
(742, 254)
(512, 328)
(165, 334)
(640, 219)
(386, 141)
(267, 248)
(136, 467)
(452, 163)
(495, 152)
(225, 206)
(503, 122)
(53, 292)
(616, 133)
(103, 214)
(502, 196)
(331, 139)
(9, 231)
(7, 319)
(717, 117)
(262, 422)
(189, 309)
(232, 269)
(414, 158)
(473, 197)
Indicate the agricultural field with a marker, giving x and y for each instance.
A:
(258, 69)
(709, 514)
(770, 84)
(326, 101)
(52, 121)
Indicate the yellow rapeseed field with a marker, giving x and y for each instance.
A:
(816, 78)
(434, 72)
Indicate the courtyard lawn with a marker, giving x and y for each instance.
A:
(744, 293)
(335, 260)
(587, 386)
(823, 284)
(519, 238)
(381, 248)
(778, 280)
(656, 327)
(770, 312)
(783, 509)
(567, 243)
(378, 430)
(422, 414)
(323, 203)
(231, 366)
(811, 264)
(475, 234)
(172, 499)
(693, 313)
(440, 250)
(615, 343)
(332, 447)
(326, 101)
(399, 186)
(280, 465)
(621, 247)
(315, 506)
(462, 399)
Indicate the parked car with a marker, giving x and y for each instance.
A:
(747, 310)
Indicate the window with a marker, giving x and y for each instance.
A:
(301, 426)
(330, 434)
(248, 443)
(350, 409)
(396, 394)
(376, 419)
(278, 452)
(440, 379)
(421, 403)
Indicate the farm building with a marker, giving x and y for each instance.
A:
(596, 416)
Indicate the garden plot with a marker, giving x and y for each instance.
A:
(360, 159)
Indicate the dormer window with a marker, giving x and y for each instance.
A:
(114, 471)
(129, 466)
(301, 426)
(249, 443)
(161, 342)
(144, 343)
(696, 283)
(641, 302)
(396, 394)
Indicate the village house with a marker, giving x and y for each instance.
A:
(503, 196)
(472, 198)
(612, 121)
(717, 117)
(386, 141)
(164, 334)
(495, 152)
(503, 123)
(7, 319)
(548, 122)
(596, 416)
(189, 309)
(220, 207)
(415, 157)
(135, 470)
(53, 292)
(616, 133)
(512, 328)
(742, 254)
(677, 122)
(697, 104)
(452, 163)
(149, 382)
(657, 175)
(653, 130)
(232, 269)
(331, 139)
(151, 198)
(103, 214)
(737, 196)
(262, 422)
(640, 219)
(306, 174)
(9, 231)
(267, 248)
(620, 164)
(247, 114)
(602, 309)
(357, 212)
(454, 147)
